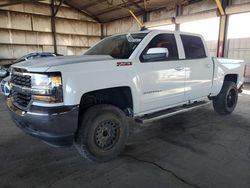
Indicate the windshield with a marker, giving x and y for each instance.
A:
(119, 47)
(23, 58)
(35, 56)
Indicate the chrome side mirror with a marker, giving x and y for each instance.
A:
(158, 51)
(156, 54)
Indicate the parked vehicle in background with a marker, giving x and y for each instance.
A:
(5, 86)
(35, 56)
(4, 72)
(146, 75)
(30, 56)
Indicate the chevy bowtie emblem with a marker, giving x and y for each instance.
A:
(119, 64)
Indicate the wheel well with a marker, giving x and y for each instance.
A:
(120, 97)
(231, 77)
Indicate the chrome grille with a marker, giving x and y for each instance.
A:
(19, 81)
(21, 99)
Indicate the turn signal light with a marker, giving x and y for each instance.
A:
(46, 98)
(56, 80)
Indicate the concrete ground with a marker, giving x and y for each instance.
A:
(195, 149)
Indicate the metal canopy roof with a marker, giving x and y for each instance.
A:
(109, 10)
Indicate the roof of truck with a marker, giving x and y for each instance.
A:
(159, 31)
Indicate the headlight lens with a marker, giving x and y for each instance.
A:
(41, 81)
(48, 88)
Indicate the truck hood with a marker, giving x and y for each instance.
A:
(43, 64)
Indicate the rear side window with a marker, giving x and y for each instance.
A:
(193, 47)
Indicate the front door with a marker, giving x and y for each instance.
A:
(162, 80)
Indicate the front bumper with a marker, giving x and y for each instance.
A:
(54, 125)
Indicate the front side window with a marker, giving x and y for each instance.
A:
(161, 41)
(119, 47)
(193, 47)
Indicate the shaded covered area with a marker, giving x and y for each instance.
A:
(198, 148)
(195, 149)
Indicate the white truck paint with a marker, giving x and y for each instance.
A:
(197, 79)
(223, 67)
(145, 75)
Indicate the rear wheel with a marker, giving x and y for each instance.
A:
(226, 101)
(102, 133)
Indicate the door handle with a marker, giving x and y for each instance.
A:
(208, 65)
(179, 68)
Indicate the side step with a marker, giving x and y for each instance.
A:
(170, 112)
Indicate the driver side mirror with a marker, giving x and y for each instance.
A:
(3, 72)
(156, 54)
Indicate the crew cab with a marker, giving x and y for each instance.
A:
(87, 100)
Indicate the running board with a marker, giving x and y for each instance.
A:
(170, 112)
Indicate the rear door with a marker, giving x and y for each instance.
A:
(198, 67)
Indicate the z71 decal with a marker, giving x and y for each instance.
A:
(119, 64)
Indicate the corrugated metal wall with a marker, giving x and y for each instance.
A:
(240, 49)
(121, 26)
(26, 28)
(239, 39)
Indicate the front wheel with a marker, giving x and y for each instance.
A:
(102, 134)
(225, 102)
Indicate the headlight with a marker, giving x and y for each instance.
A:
(41, 81)
(47, 88)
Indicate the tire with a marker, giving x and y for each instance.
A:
(102, 133)
(225, 102)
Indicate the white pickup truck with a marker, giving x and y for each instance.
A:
(148, 75)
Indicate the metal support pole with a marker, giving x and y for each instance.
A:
(223, 27)
(102, 31)
(219, 5)
(53, 25)
(178, 13)
(145, 17)
(54, 11)
(136, 19)
(226, 43)
(221, 43)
